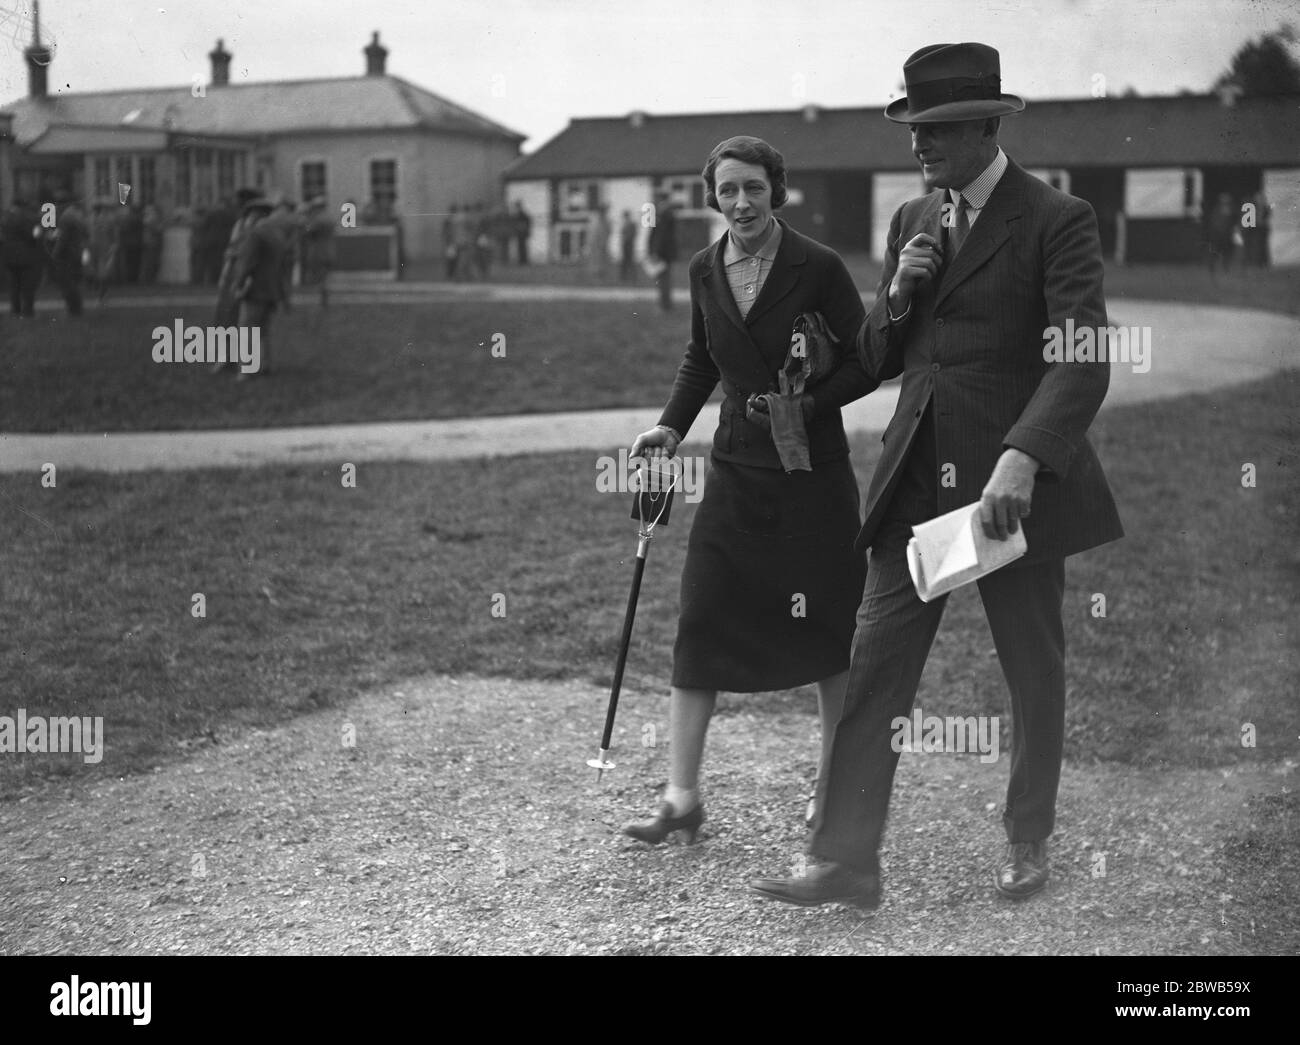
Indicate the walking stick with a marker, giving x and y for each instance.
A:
(651, 505)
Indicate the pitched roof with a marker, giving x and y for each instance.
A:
(1186, 130)
(372, 103)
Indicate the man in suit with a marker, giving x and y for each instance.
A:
(21, 253)
(663, 248)
(522, 225)
(259, 275)
(977, 274)
(66, 253)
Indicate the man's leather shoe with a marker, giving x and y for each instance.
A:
(1024, 872)
(824, 883)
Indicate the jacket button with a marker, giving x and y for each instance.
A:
(934, 367)
(938, 322)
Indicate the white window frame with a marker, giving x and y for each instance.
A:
(397, 177)
(583, 187)
(302, 162)
(683, 189)
(1160, 192)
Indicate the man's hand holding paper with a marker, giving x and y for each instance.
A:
(1008, 494)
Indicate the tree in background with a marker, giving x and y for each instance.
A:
(1263, 67)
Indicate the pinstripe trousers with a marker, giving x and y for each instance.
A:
(895, 630)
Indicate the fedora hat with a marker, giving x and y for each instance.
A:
(949, 82)
(259, 203)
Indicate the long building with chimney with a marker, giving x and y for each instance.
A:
(398, 152)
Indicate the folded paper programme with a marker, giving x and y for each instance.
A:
(952, 550)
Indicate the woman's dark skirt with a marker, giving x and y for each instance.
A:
(771, 584)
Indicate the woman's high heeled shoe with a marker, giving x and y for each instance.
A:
(656, 830)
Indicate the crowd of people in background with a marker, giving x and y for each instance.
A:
(1231, 239)
(476, 236)
(122, 245)
(268, 240)
(605, 246)
(77, 249)
(307, 230)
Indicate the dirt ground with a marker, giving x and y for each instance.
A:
(457, 816)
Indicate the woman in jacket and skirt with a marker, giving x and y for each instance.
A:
(771, 582)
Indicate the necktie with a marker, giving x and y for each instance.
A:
(960, 228)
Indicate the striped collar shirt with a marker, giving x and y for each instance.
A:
(976, 194)
(746, 273)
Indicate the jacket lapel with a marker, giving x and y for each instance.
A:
(739, 355)
(988, 234)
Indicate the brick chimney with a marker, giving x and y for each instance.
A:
(38, 59)
(220, 59)
(376, 54)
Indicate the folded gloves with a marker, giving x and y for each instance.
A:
(786, 412)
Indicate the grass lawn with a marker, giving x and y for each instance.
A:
(388, 362)
(314, 591)
(372, 362)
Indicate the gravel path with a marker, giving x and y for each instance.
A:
(463, 821)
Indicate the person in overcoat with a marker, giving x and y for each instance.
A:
(70, 241)
(227, 309)
(771, 579)
(259, 276)
(22, 255)
(662, 248)
(981, 277)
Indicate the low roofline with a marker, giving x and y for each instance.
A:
(492, 128)
(644, 166)
(500, 128)
(880, 109)
(55, 96)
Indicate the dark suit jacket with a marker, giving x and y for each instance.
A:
(261, 262)
(663, 235)
(18, 247)
(973, 340)
(745, 354)
(70, 238)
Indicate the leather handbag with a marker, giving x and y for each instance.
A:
(812, 355)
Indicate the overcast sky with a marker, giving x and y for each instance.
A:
(534, 64)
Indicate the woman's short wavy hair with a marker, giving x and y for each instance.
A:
(746, 149)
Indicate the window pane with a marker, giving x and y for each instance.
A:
(148, 180)
(313, 180)
(383, 182)
(225, 173)
(183, 194)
